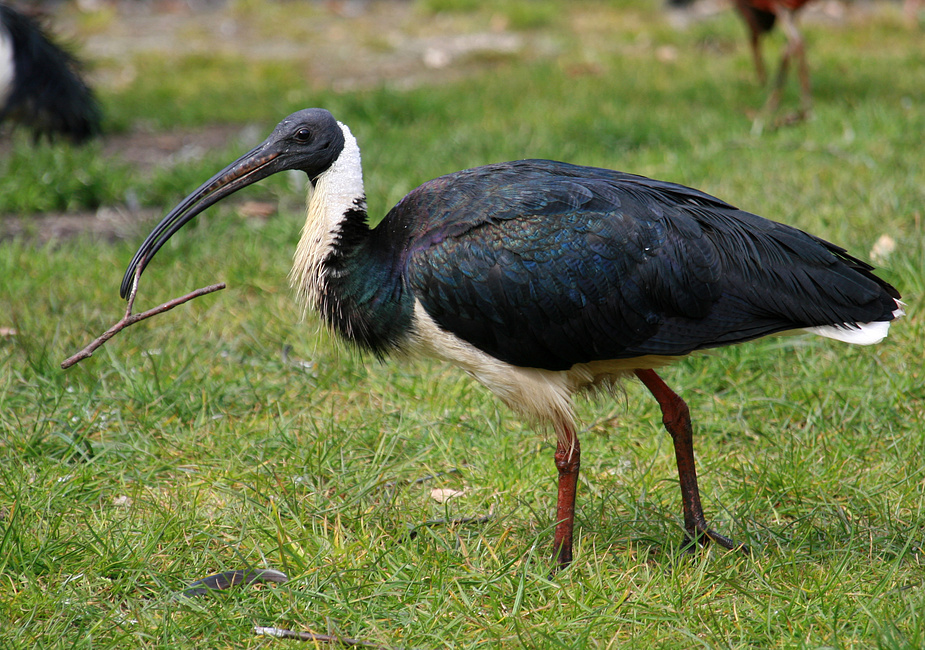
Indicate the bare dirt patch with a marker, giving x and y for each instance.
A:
(344, 45)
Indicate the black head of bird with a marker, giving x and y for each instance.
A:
(541, 278)
(309, 141)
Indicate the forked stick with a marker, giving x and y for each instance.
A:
(131, 319)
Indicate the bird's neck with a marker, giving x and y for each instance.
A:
(338, 270)
(336, 205)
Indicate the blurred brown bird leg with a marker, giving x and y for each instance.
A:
(760, 17)
(758, 22)
(796, 49)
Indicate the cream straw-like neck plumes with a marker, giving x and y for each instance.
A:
(335, 192)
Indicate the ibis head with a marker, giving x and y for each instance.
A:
(541, 278)
(309, 141)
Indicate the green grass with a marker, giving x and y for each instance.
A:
(190, 444)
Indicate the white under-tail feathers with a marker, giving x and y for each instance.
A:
(859, 333)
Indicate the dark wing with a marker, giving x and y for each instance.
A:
(544, 264)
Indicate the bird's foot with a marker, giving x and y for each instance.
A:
(702, 535)
(763, 120)
(562, 557)
(802, 115)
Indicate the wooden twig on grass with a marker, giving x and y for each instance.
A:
(131, 319)
(311, 636)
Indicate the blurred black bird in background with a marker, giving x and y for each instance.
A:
(41, 86)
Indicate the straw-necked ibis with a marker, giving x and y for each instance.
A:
(41, 86)
(541, 279)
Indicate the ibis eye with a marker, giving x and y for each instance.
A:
(303, 135)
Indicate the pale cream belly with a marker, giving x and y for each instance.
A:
(542, 395)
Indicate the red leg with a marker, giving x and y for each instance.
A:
(677, 420)
(568, 460)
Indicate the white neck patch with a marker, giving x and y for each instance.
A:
(336, 191)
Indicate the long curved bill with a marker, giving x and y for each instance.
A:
(249, 168)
